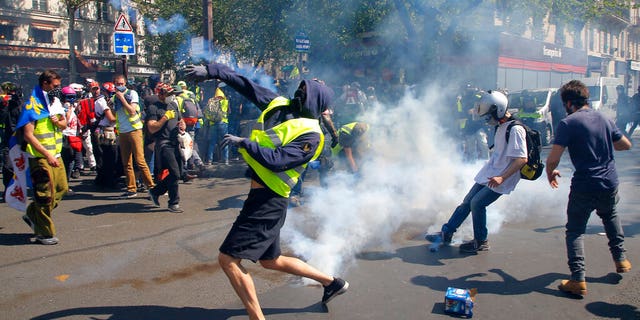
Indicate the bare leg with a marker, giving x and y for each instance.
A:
(243, 284)
(297, 267)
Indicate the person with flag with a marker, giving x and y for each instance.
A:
(40, 128)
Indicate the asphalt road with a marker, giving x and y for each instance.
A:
(125, 259)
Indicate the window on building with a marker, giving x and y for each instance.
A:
(6, 32)
(77, 40)
(41, 35)
(592, 40)
(104, 42)
(5, 4)
(104, 11)
(40, 5)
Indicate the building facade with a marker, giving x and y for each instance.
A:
(34, 35)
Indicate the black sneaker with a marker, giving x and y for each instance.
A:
(473, 246)
(129, 195)
(336, 288)
(154, 198)
(75, 174)
(175, 208)
(28, 221)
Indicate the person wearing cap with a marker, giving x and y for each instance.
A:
(164, 122)
(186, 92)
(287, 136)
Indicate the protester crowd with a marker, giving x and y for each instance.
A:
(158, 134)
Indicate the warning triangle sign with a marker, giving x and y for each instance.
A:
(122, 24)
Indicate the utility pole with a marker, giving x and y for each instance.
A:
(207, 8)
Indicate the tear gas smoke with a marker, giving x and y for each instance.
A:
(415, 175)
(161, 26)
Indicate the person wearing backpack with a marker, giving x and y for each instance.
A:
(191, 114)
(216, 116)
(591, 139)
(498, 176)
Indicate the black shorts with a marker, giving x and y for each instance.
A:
(255, 235)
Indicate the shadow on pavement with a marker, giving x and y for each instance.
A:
(613, 311)
(15, 239)
(508, 285)
(120, 207)
(168, 313)
(630, 229)
(229, 203)
(419, 254)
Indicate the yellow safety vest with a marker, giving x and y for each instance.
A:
(49, 136)
(347, 128)
(280, 135)
(533, 115)
(134, 118)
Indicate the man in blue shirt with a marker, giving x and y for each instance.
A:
(591, 139)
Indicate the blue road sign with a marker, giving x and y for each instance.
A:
(124, 43)
(302, 43)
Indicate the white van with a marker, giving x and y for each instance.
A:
(534, 109)
(602, 94)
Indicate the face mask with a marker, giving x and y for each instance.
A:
(121, 88)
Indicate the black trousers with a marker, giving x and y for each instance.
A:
(167, 157)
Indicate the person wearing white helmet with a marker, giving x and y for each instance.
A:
(498, 176)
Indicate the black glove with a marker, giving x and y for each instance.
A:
(230, 139)
(334, 143)
(196, 73)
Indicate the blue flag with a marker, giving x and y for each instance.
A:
(34, 109)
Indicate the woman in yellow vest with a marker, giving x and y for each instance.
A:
(287, 136)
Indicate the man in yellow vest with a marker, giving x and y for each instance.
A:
(129, 125)
(352, 145)
(286, 137)
(41, 123)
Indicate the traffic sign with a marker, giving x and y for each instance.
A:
(122, 24)
(124, 43)
(302, 43)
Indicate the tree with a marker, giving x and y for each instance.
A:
(72, 7)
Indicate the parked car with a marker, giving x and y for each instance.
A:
(534, 109)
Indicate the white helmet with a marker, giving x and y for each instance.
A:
(493, 103)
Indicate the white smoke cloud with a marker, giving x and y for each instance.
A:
(415, 176)
(161, 26)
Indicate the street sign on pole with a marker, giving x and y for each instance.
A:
(122, 24)
(302, 43)
(124, 43)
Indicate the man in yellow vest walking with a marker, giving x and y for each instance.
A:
(41, 123)
(287, 136)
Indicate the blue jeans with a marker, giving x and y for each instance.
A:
(580, 206)
(475, 202)
(216, 133)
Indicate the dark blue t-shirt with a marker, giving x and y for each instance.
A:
(589, 136)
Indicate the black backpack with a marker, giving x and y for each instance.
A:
(534, 167)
